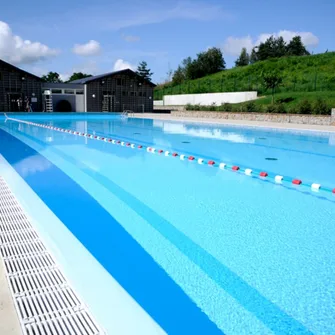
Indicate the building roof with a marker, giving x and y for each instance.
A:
(18, 69)
(92, 78)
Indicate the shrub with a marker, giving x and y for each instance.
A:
(251, 107)
(189, 107)
(293, 110)
(212, 107)
(271, 108)
(320, 107)
(280, 108)
(242, 108)
(226, 107)
(304, 107)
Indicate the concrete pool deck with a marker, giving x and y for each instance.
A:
(9, 321)
(264, 124)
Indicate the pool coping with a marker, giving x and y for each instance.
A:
(261, 124)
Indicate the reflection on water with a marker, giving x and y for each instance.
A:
(211, 133)
(31, 165)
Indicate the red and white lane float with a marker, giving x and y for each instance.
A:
(222, 166)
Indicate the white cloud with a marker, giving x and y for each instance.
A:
(308, 38)
(121, 64)
(18, 51)
(91, 48)
(64, 76)
(233, 45)
(130, 38)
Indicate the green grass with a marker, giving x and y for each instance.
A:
(296, 97)
(289, 102)
(300, 74)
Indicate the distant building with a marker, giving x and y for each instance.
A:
(17, 87)
(111, 92)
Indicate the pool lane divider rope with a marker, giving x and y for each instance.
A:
(222, 166)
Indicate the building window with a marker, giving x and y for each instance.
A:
(118, 81)
(68, 91)
(139, 94)
(0, 76)
(124, 93)
(56, 91)
(79, 91)
(123, 82)
(144, 94)
(131, 94)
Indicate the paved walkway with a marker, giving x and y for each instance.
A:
(9, 322)
(169, 117)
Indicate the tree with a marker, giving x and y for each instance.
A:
(143, 71)
(266, 49)
(296, 47)
(79, 75)
(253, 56)
(280, 49)
(210, 61)
(52, 77)
(277, 47)
(244, 58)
(178, 76)
(271, 81)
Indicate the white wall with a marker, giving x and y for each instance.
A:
(158, 102)
(208, 98)
(80, 103)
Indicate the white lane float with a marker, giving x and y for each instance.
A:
(315, 187)
(248, 172)
(279, 179)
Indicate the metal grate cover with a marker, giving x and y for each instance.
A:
(45, 302)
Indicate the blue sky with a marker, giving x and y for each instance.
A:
(100, 36)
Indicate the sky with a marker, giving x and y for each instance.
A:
(101, 36)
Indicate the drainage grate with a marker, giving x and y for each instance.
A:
(45, 302)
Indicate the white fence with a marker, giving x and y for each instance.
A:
(207, 98)
(158, 102)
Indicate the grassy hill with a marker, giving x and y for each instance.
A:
(313, 73)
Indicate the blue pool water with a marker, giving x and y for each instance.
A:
(201, 250)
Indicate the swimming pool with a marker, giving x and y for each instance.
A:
(196, 249)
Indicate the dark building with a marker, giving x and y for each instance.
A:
(111, 92)
(116, 92)
(18, 86)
